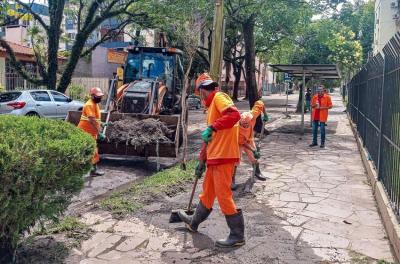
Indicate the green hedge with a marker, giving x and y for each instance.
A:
(42, 164)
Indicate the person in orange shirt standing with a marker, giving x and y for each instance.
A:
(320, 103)
(221, 154)
(91, 123)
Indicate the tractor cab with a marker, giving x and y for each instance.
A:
(152, 74)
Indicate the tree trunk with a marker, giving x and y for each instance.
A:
(299, 103)
(237, 72)
(250, 59)
(228, 69)
(76, 51)
(184, 114)
(56, 9)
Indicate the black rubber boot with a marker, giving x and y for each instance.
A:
(234, 186)
(96, 172)
(236, 235)
(258, 173)
(193, 221)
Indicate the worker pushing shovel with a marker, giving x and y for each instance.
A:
(90, 122)
(222, 152)
(246, 139)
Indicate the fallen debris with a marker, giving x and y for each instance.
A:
(139, 133)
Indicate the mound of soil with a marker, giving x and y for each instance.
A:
(139, 133)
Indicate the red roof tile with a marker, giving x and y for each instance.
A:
(20, 49)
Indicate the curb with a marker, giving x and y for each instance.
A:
(389, 219)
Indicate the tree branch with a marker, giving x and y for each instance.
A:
(36, 16)
(106, 37)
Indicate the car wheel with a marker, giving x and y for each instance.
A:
(33, 114)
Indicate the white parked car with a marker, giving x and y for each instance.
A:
(41, 103)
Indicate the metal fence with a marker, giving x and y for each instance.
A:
(274, 88)
(374, 106)
(13, 81)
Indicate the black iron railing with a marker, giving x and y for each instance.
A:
(374, 106)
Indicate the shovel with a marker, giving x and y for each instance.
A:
(174, 218)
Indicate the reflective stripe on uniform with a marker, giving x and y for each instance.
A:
(85, 118)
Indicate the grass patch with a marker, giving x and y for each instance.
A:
(167, 182)
(72, 227)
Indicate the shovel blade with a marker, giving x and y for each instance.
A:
(174, 217)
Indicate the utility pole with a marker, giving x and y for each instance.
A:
(217, 41)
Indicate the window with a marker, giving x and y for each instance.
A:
(41, 96)
(8, 97)
(58, 97)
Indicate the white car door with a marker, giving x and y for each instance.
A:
(43, 104)
(62, 103)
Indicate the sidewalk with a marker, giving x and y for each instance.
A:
(316, 207)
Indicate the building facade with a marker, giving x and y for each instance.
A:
(387, 22)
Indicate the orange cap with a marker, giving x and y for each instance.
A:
(96, 91)
(204, 81)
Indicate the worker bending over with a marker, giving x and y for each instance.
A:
(222, 152)
(246, 139)
(91, 123)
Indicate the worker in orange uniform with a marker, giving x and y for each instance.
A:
(91, 123)
(320, 103)
(222, 152)
(246, 139)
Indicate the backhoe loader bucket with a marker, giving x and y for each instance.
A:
(164, 149)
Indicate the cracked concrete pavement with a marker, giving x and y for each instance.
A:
(315, 207)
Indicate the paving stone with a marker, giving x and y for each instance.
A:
(289, 197)
(106, 226)
(94, 241)
(315, 239)
(132, 243)
(103, 246)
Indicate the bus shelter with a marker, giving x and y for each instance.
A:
(308, 71)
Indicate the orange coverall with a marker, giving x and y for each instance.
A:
(222, 154)
(91, 109)
(246, 135)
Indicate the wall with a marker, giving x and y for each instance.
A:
(100, 66)
(17, 35)
(385, 24)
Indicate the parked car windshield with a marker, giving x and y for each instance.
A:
(7, 97)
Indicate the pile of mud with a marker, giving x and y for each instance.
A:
(139, 133)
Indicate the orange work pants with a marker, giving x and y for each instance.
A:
(217, 184)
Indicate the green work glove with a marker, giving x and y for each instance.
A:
(200, 168)
(265, 118)
(207, 135)
(101, 136)
(104, 124)
(256, 154)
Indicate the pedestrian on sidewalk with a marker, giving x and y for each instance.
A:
(308, 100)
(90, 122)
(321, 103)
(222, 153)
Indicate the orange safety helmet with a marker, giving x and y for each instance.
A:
(96, 91)
(204, 81)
